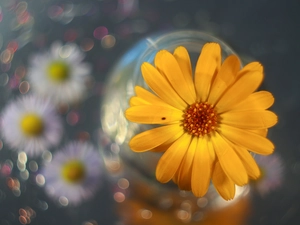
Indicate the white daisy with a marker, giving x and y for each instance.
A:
(60, 73)
(74, 173)
(31, 124)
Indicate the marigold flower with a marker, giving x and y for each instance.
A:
(210, 121)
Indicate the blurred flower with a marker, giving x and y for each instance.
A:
(60, 73)
(210, 121)
(31, 124)
(74, 172)
(272, 171)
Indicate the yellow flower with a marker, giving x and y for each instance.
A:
(210, 120)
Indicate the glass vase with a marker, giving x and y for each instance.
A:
(140, 198)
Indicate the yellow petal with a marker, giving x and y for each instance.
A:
(163, 147)
(210, 148)
(154, 137)
(250, 140)
(134, 101)
(207, 67)
(161, 86)
(249, 119)
(255, 101)
(224, 78)
(229, 161)
(184, 62)
(171, 159)
(153, 114)
(262, 132)
(250, 67)
(240, 90)
(224, 186)
(167, 65)
(184, 173)
(248, 161)
(149, 97)
(202, 167)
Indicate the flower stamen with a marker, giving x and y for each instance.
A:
(73, 171)
(200, 118)
(32, 125)
(58, 71)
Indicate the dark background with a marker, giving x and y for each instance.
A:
(264, 30)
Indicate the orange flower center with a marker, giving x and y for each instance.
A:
(200, 118)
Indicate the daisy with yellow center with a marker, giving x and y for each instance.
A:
(60, 74)
(31, 124)
(211, 120)
(73, 173)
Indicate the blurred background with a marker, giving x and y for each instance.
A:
(262, 30)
